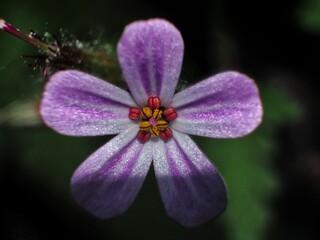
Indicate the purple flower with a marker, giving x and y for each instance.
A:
(152, 124)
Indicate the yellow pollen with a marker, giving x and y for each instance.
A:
(162, 124)
(155, 131)
(157, 114)
(144, 125)
(146, 112)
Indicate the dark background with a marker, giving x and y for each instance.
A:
(273, 175)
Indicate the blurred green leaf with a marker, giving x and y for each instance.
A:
(308, 15)
(20, 114)
(52, 157)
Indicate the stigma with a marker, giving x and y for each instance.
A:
(154, 120)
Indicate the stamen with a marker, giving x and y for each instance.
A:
(143, 136)
(134, 113)
(146, 113)
(166, 134)
(144, 126)
(170, 114)
(154, 120)
(154, 102)
(155, 131)
(157, 113)
(162, 124)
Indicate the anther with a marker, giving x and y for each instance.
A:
(146, 113)
(134, 113)
(166, 134)
(155, 131)
(157, 113)
(144, 126)
(154, 102)
(162, 124)
(170, 114)
(143, 136)
(154, 120)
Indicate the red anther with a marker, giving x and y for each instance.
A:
(170, 114)
(143, 136)
(166, 134)
(134, 113)
(154, 102)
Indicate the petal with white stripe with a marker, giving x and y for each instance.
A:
(78, 104)
(109, 180)
(191, 188)
(150, 54)
(226, 105)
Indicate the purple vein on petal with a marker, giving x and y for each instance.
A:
(93, 97)
(184, 167)
(226, 105)
(150, 54)
(150, 66)
(191, 188)
(119, 173)
(114, 165)
(108, 181)
(78, 104)
(92, 104)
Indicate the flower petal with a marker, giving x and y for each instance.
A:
(150, 54)
(191, 187)
(109, 180)
(225, 105)
(78, 104)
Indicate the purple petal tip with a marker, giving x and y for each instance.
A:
(226, 105)
(150, 54)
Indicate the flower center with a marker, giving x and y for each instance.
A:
(154, 120)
